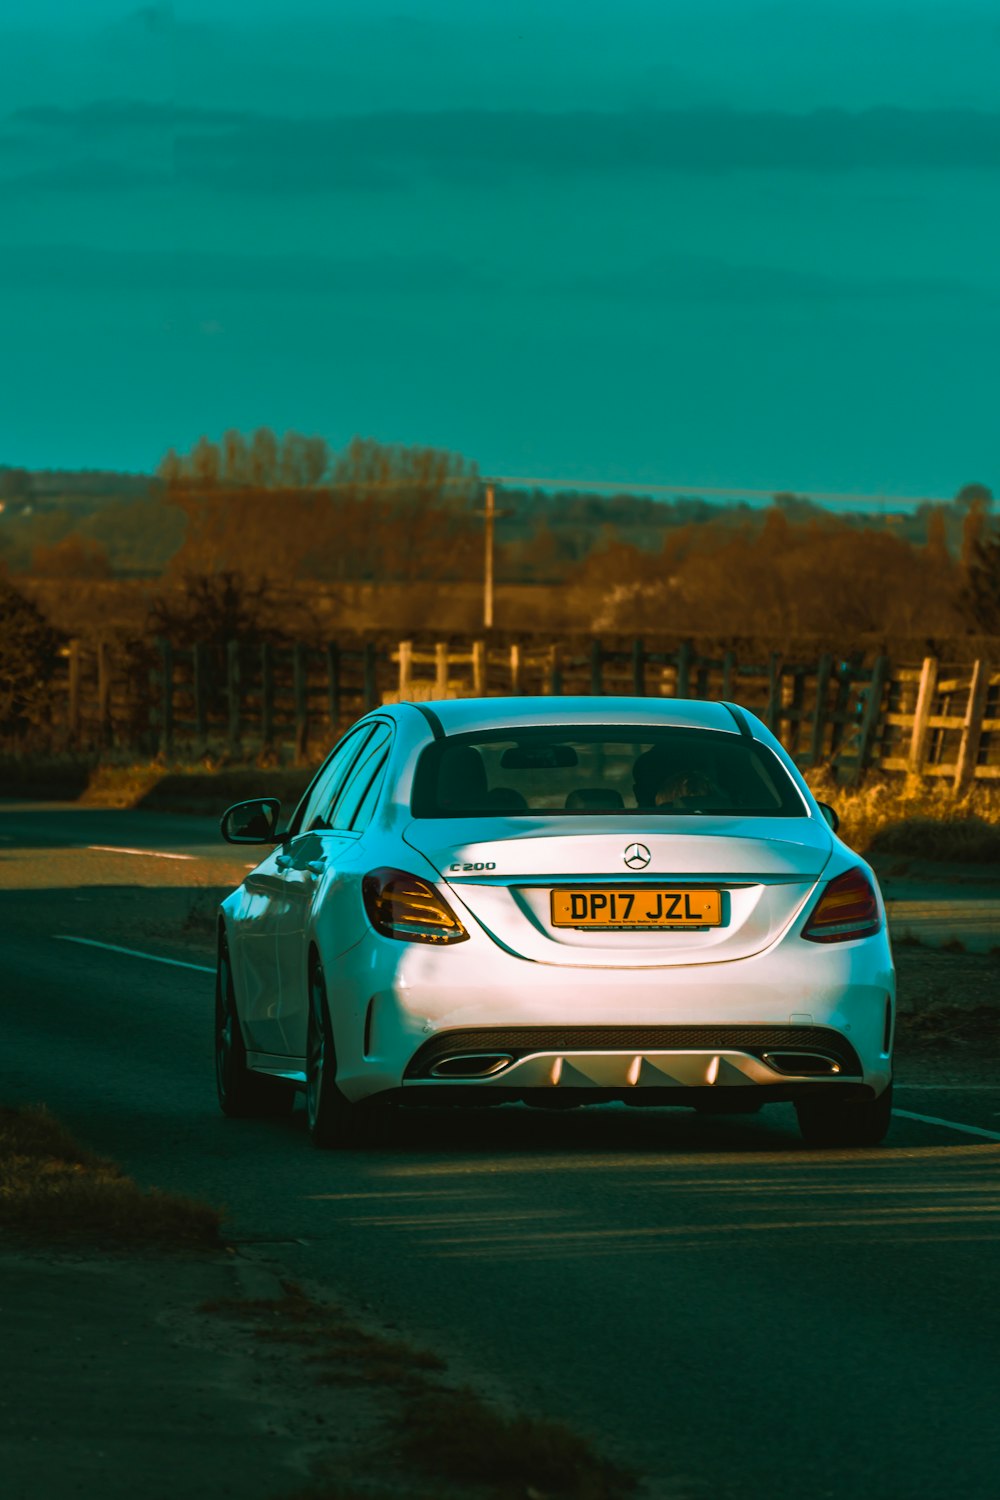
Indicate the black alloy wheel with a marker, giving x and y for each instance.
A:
(243, 1094)
(832, 1122)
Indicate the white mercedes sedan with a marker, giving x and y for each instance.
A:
(555, 901)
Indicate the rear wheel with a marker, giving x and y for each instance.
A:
(242, 1093)
(333, 1119)
(845, 1122)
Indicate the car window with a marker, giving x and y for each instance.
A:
(363, 816)
(602, 771)
(329, 780)
(362, 773)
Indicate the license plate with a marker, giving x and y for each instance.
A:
(648, 907)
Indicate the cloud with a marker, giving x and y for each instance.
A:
(78, 268)
(704, 279)
(104, 115)
(82, 178)
(234, 151)
(682, 280)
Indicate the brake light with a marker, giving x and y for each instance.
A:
(848, 908)
(405, 907)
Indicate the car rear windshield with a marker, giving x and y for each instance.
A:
(602, 771)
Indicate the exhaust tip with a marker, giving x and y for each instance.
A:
(472, 1065)
(813, 1064)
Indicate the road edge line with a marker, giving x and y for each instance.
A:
(144, 853)
(908, 1114)
(154, 958)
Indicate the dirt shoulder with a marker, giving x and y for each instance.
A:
(142, 1354)
(108, 1387)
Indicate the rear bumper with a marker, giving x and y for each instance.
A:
(391, 1000)
(785, 1062)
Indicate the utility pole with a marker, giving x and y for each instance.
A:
(490, 514)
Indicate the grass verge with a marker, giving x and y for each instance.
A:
(205, 786)
(915, 816)
(945, 1026)
(450, 1438)
(52, 1188)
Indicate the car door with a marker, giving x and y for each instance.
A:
(320, 855)
(271, 891)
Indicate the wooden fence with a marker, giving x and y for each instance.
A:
(933, 718)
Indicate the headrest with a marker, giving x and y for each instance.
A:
(461, 779)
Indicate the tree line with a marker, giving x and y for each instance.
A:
(280, 511)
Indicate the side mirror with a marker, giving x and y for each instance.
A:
(252, 822)
(830, 814)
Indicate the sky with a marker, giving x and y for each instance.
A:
(742, 244)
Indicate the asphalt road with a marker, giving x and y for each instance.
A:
(735, 1314)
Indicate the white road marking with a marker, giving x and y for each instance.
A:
(907, 1114)
(154, 958)
(146, 853)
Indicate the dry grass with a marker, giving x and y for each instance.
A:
(954, 1026)
(53, 1189)
(451, 1438)
(207, 785)
(455, 1435)
(915, 816)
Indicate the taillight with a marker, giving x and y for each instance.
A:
(848, 908)
(405, 907)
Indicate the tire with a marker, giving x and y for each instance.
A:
(243, 1094)
(332, 1119)
(845, 1123)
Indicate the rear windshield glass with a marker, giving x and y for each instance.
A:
(601, 771)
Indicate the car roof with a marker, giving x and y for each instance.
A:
(464, 715)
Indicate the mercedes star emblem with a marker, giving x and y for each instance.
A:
(637, 856)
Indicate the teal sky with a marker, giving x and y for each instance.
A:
(723, 243)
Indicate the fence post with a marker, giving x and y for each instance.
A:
(555, 674)
(845, 678)
(922, 712)
(795, 726)
(515, 670)
(972, 725)
(638, 668)
(198, 686)
(166, 698)
(479, 669)
(73, 711)
(103, 695)
(682, 687)
(370, 676)
(266, 694)
(819, 712)
(233, 692)
(772, 714)
(728, 666)
(333, 686)
(300, 685)
(596, 669)
(872, 714)
(405, 670)
(441, 669)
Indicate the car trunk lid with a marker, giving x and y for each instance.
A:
(763, 869)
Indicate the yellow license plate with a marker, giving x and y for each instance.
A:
(642, 907)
